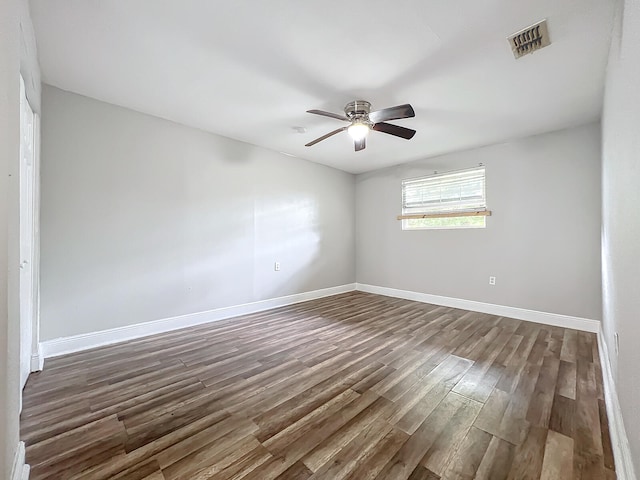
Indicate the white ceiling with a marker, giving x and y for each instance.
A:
(249, 69)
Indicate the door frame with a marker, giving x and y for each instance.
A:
(29, 254)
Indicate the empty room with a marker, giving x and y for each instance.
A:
(319, 240)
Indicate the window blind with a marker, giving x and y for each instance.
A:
(460, 191)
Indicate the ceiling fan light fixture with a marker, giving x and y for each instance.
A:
(358, 130)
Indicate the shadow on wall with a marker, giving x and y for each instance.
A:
(231, 151)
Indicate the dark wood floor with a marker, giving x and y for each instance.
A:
(354, 386)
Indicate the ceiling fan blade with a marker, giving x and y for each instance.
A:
(324, 137)
(396, 130)
(360, 144)
(329, 114)
(392, 113)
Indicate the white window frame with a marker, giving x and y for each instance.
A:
(432, 201)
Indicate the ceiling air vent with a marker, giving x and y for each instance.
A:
(530, 39)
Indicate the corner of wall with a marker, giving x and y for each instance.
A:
(619, 440)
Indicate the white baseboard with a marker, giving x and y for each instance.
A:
(619, 439)
(20, 470)
(545, 318)
(37, 360)
(76, 343)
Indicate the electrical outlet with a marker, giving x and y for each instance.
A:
(492, 280)
(616, 339)
(276, 266)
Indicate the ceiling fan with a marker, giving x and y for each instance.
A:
(362, 120)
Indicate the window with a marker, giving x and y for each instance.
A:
(446, 200)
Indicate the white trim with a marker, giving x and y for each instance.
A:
(76, 343)
(617, 432)
(37, 359)
(20, 470)
(546, 318)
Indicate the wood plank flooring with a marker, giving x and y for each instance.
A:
(354, 386)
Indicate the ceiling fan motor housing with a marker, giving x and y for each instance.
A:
(357, 110)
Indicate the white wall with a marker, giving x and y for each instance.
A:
(17, 56)
(542, 242)
(9, 154)
(144, 219)
(621, 216)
